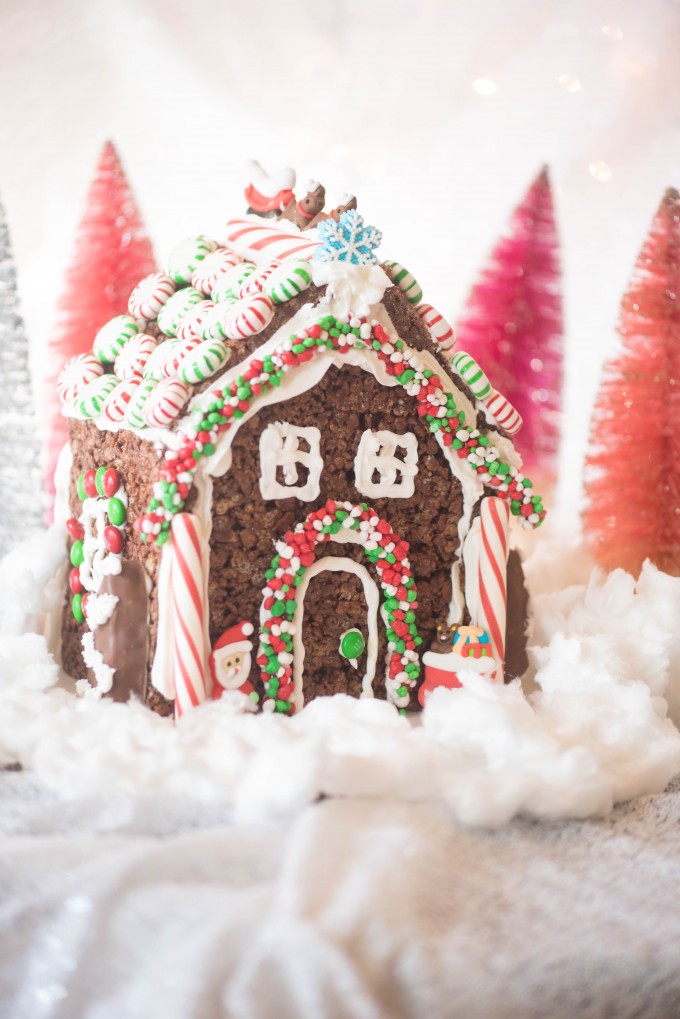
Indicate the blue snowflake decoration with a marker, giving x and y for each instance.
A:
(348, 240)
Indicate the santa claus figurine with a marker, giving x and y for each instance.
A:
(230, 662)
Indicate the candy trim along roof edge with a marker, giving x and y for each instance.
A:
(436, 406)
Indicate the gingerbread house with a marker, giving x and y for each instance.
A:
(283, 480)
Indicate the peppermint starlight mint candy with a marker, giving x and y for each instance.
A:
(186, 257)
(149, 296)
(113, 336)
(76, 374)
(172, 313)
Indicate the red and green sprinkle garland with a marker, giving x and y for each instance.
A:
(386, 550)
(436, 406)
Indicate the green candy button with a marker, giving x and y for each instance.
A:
(77, 554)
(99, 479)
(116, 511)
(352, 644)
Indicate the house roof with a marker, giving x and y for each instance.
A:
(216, 334)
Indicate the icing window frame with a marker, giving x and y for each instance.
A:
(376, 452)
(280, 448)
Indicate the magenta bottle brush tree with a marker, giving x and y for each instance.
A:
(512, 326)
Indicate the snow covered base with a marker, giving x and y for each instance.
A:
(593, 730)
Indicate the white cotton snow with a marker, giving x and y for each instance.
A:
(593, 729)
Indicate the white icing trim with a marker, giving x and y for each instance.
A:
(376, 452)
(280, 447)
(162, 669)
(94, 660)
(372, 594)
(100, 608)
(350, 288)
(98, 562)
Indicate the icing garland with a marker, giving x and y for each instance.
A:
(103, 499)
(436, 406)
(387, 551)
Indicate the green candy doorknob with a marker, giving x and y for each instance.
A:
(352, 645)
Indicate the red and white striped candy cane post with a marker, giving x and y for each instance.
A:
(190, 658)
(264, 243)
(494, 517)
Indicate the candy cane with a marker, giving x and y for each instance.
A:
(492, 575)
(256, 240)
(188, 613)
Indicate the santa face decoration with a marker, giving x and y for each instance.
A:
(230, 661)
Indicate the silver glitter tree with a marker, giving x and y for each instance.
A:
(21, 494)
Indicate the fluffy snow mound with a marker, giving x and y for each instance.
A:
(593, 730)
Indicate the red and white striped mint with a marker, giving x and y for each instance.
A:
(132, 359)
(503, 412)
(76, 374)
(212, 268)
(166, 402)
(256, 284)
(230, 283)
(155, 366)
(214, 325)
(249, 316)
(185, 258)
(149, 296)
(193, 321)
(179, 305)
(440, 330)
(179, 351)
(115, 406)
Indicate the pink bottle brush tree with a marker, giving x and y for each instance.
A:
(633, 460)
(112, 254)
(512, 326)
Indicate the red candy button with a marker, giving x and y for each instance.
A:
(74, 581)
(76, 530)
(111, 482)
(90, 485)
(113, 539)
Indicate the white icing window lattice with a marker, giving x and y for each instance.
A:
(386, 464)
(290, 462)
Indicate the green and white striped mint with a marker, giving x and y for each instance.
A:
(406, 281)
(112, 337)
(203, 361)
(153, 369)
(174, 310)
(288, 280)
(92, 396)
(231, 282)
(184, 260)
(471, 374)
(134, 415)
(213, 327)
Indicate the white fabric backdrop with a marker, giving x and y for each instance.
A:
(380, 98)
